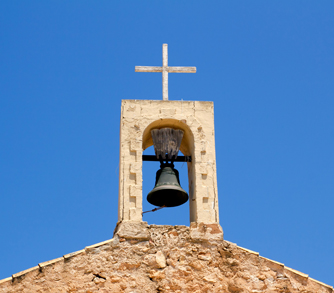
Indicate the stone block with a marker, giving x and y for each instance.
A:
(133, 230)
(206, 232)
(131, 110)
(203, 169)
(135, 167)
(135, 214)
(160, 259)
(135, 145)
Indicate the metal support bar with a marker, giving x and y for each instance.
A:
(153, 158)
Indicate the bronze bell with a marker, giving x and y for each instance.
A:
(167, 191)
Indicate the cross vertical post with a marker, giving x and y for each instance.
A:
(165, 69)
(165, 72)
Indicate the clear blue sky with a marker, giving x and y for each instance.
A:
(268, 66)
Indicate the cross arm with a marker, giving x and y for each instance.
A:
(148, 69)
(176, 69)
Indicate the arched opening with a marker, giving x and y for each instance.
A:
(168, 216)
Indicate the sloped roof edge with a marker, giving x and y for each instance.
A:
(95, 249)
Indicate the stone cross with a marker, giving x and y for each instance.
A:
(165, 69)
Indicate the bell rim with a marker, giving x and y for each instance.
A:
(180, 189)
(175, 187)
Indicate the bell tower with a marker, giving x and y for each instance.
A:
(142, 118)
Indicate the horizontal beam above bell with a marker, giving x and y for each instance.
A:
(153, 158)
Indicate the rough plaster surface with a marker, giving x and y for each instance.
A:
(162, 259)
(138, 118)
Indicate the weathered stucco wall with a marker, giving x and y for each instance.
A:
(138, 118)
(142, 258)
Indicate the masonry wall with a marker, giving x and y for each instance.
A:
(162, 259)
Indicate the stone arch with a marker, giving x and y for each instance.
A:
(187, 145)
